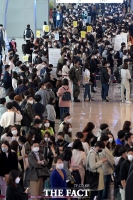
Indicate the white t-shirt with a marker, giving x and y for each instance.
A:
(65, 70)
(58, 17)
(39, 67)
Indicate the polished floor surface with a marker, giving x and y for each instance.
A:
(114, 113)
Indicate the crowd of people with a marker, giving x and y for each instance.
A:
(34, 154)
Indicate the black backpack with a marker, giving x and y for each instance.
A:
(28, 33)
(67, 95)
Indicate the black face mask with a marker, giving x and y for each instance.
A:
(50, 143)
(100, 150)
(60, 140)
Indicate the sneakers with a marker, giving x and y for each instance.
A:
(128, 102)
(76, 100)
(105, 100)
(95, 89)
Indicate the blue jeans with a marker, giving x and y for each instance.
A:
(87, 91)
(62, 111)
(58, 22)
(104, 92)
(89, 19)
(107, 181)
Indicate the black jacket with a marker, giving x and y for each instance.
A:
(93, 66)
(104, 76)
(110, 60)
(21, 89)
(15, 193)
(7, 80)
(8, 163)
(38, 135)
(39, 109)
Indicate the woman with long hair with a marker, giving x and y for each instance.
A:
(14, 190)
(79, 158)
(125, 79)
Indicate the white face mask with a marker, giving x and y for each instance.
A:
(44, 87)
(70, 130)
(40, 125)
(130, 157)
(110, 140)
(46, 139)
(69, 120)
(17, 180)
(35, 149)
(14, 132)
(46, 124)
(31, 102)
(67, 63)
(60, 166)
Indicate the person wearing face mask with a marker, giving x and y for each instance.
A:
(36, 129)
(7, 81)
(61, 143)
(46, 127)
(13, 45)
(125, 83)
(66, 119)
(104, 77)
(36, 165)
(59, 18)
(9, 161)
(44, 142)
(67, 130)
(65, 68)
(58, 176)
(110, 59)
(108, 166)
(94, 163)
(111, 144)
(14, 189)
(93, 69)
(64, 104)
(28, 113)
(43, 93)
(117, 182)
(124, 169)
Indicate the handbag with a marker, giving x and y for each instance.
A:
(43, 172)
(76, 176)
(66, 95)
(92, 179)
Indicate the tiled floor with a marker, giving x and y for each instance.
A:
(113, 113)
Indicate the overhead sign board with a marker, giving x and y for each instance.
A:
(89, 1)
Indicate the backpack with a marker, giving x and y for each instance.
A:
(24, 48)
(66, 95)
(28, 33)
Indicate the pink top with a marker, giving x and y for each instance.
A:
(60, 94)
